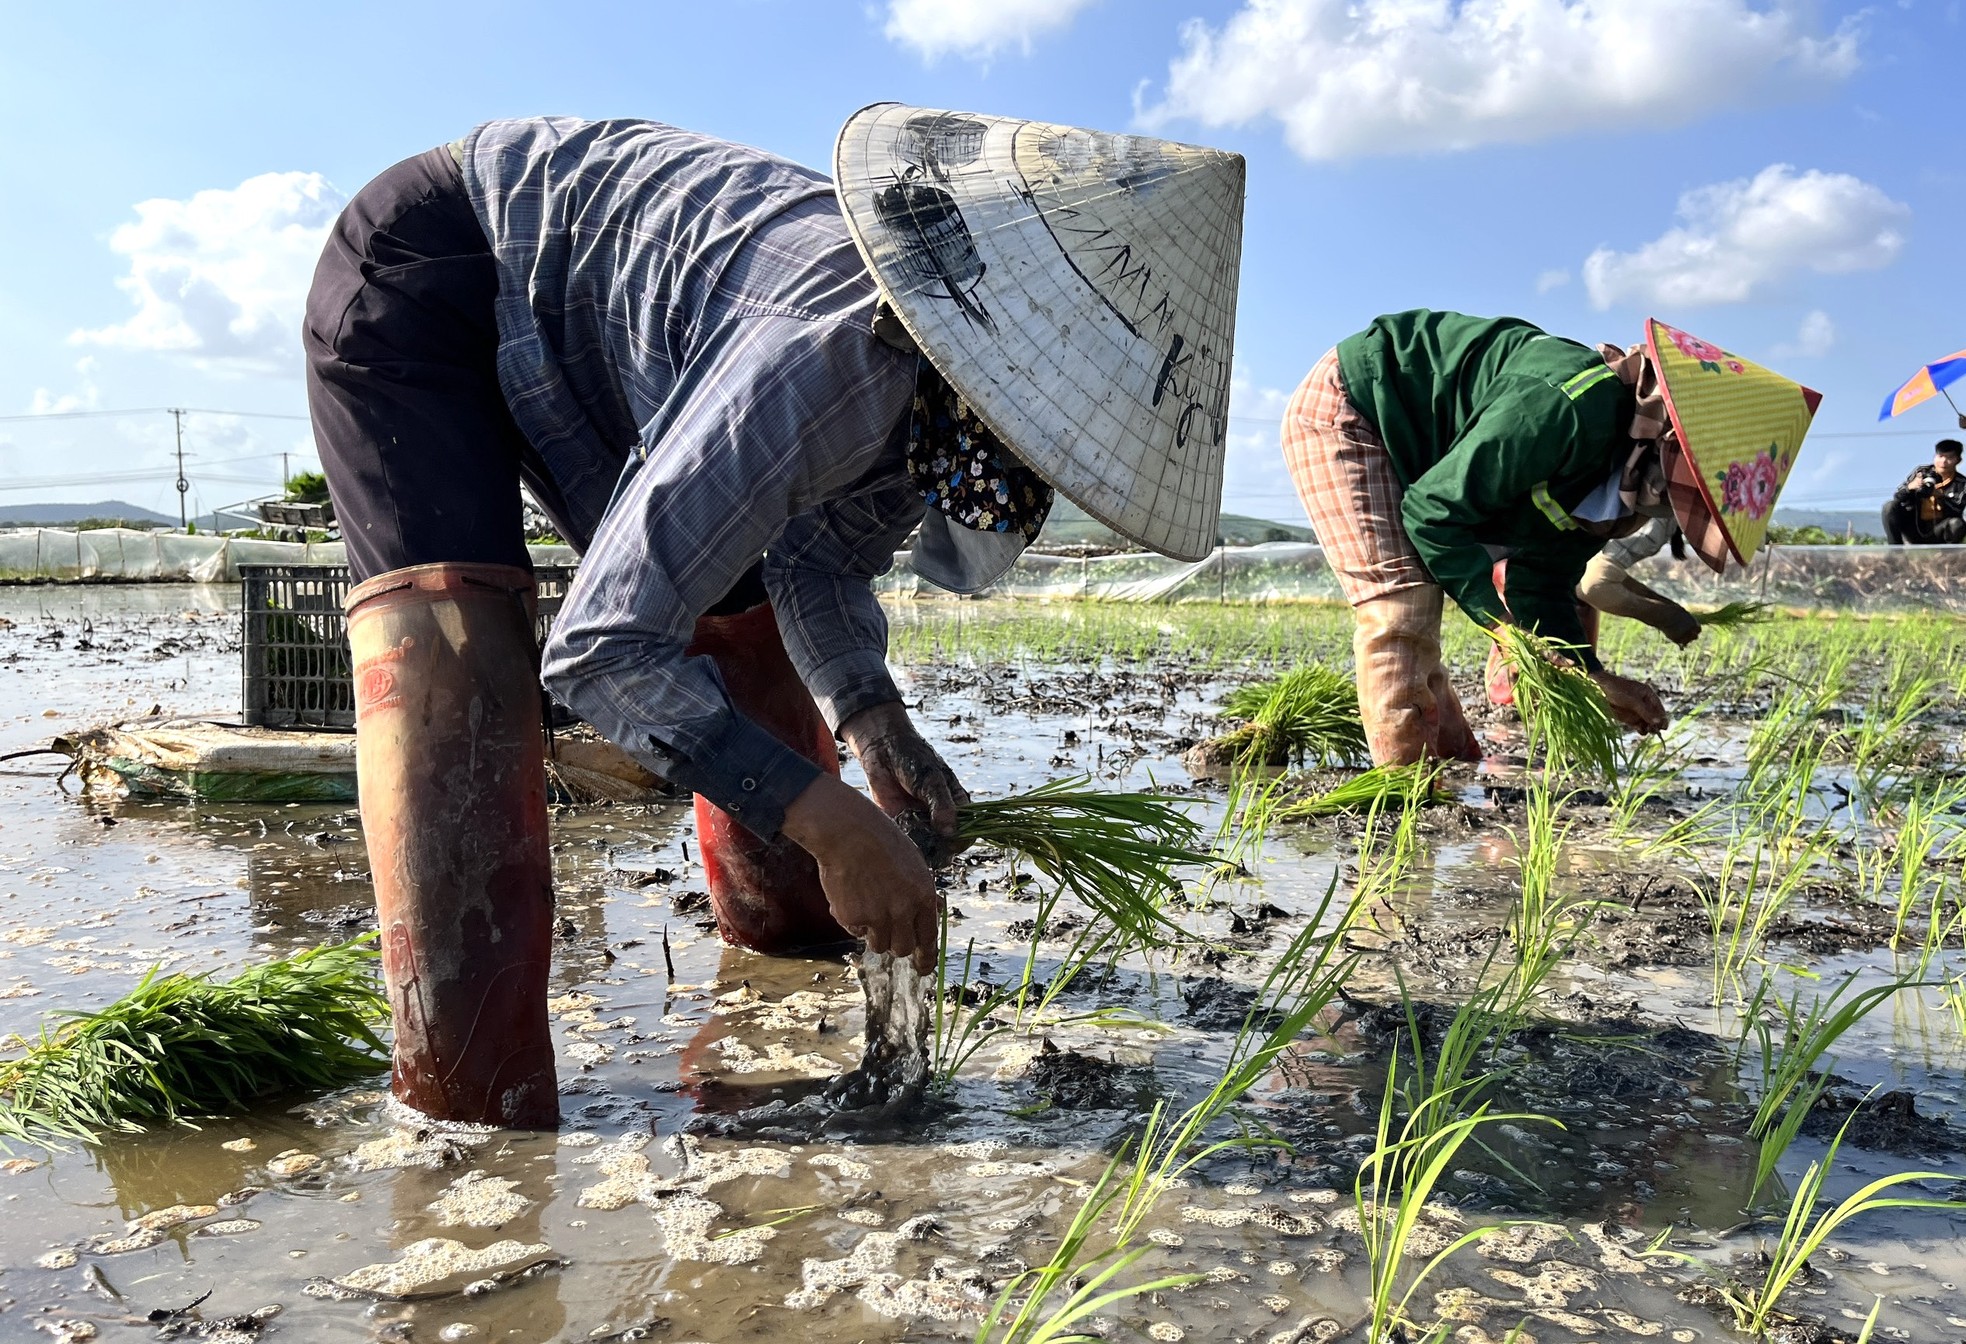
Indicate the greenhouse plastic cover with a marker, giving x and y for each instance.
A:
(111, 553)
(1843, 578)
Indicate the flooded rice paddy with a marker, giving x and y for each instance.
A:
(672, 1206)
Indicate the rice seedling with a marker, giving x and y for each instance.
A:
(1648, 766)
(1791, 1081)
(183, 1046)
(1733, 615)
(1020, 1315)
(1756, 1306)
(1563, 711)
(1300, 986)
(1398, 1178)
(1118, 853)
(1918, 835)
(1309, 716)
(1542, 924)
(1302, 983)
(1743, 902)
(1382, 786)
(1383, 867)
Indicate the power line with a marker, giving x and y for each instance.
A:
(149, 410)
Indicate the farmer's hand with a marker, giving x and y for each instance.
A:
(1632, 703)
(876, 883)
(903, 771)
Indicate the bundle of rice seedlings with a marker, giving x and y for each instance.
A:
(1562, 708)
(1117, 852)
(1309, 715)
(182, 1046)
(1733, 614)
(1380, 788)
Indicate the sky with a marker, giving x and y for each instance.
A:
(1784, 179)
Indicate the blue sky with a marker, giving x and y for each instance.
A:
(1784, 179)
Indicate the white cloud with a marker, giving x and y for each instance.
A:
(1352, 77)
(1550, 280)
(86, 396)
(976, 29)
(1813, 339)
(1738, 238)
(222, 277)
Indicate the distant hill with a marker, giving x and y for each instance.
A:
(60, 515)
(1836, 522)
(1069, 525)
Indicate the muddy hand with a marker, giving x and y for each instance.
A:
(903, 771)
(1632, 703)
(876, 884)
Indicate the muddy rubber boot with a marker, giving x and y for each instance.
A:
(765, 893)
(1396, 647)
(452, 776)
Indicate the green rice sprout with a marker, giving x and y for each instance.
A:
(1382, 787)
(1309, 715)
(1397, 1179)
(184, 1046)
(1733, 614)
(1562, 708)
(1119, 853)
(1756, 1306)
(1791, 1081)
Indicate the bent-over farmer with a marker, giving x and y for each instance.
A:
(1433, 444)
(726, 383)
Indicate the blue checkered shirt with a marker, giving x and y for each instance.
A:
(685, 340)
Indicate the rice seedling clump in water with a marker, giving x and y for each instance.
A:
(183, 1046)
(1383, 786)
(1309, 714)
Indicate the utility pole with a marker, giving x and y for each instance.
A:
(182, 484)
(284, 478)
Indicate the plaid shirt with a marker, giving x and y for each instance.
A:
(685, 339)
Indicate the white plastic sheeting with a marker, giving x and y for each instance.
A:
(116, 553)
(1834, 578)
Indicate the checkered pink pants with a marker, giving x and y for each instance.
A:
(1345, 478)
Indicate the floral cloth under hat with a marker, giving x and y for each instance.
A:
(1738, 428)
(963, 471)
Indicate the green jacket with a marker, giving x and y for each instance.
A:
(1496, 430)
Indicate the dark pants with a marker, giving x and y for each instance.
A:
(1903, 527)
(422, 457)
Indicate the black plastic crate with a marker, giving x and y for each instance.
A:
(298, 673)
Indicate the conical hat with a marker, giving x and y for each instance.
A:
(1739, 428)
(1077, 288)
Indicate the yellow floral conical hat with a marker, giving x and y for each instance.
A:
(1738, 428)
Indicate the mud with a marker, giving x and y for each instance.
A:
(698, 1191)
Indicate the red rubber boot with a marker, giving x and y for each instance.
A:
(765, 893)
(452, 778)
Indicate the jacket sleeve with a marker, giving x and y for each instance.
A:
(783, 400)
(820, 574)
(1515, 445)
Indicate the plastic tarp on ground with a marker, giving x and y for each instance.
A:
(110, 554)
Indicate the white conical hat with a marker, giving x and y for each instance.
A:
(1077, 288)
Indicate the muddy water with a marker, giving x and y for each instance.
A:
(643, 1219)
